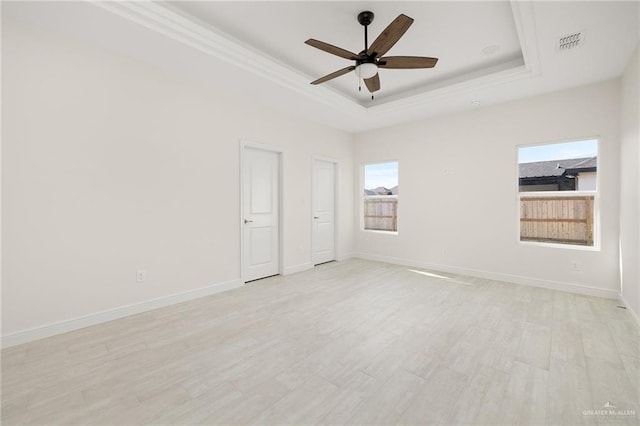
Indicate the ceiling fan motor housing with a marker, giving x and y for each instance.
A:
(364, 59)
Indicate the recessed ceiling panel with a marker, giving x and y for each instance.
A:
(471, 39)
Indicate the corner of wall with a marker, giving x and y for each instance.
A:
(630, 185)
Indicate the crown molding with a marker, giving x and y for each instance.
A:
(517, 69)
(524, 19)
(165, 20)
(172, 23)
(513, 72)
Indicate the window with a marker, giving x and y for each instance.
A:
(380, 202)
(558, 193)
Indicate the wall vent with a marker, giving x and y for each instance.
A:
(570, 41)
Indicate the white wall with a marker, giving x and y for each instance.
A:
(630, 184)
(110, 165)
(458, 206)
(587, 181)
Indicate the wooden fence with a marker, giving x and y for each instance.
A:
(381, 212)
(557, 219)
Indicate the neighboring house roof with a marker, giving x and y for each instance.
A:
(557, 167)
(381, 190)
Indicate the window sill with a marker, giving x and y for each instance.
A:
(595, 247)
(375, 231)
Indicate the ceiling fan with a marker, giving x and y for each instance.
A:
(371, 58)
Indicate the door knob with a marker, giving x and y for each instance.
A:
(248, 221)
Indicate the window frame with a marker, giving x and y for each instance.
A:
(362, 197)
(595, 193)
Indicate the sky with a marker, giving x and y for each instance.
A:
(386, 174)
(558, 151)
(382, 174)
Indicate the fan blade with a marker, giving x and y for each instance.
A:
(334, 50)
(405, 62)
(390, 36)
(334, 75)
(373, 83)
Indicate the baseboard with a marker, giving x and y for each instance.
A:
(516, 279)
(112, 314)
(633, 313)
(297, 268)
(346, 256)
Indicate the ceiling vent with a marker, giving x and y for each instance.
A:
(570, 41)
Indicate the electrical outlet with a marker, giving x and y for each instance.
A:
(448, 172)
(141, 275)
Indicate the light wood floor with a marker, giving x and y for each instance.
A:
(353, 342)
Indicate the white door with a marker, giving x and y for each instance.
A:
(260, 213)
(324, 178)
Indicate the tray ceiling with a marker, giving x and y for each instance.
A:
(471, 39)
(489, 52)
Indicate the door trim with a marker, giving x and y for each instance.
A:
(336, 204)
(246, 144)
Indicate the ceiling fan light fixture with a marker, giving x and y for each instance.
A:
(366, 70)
